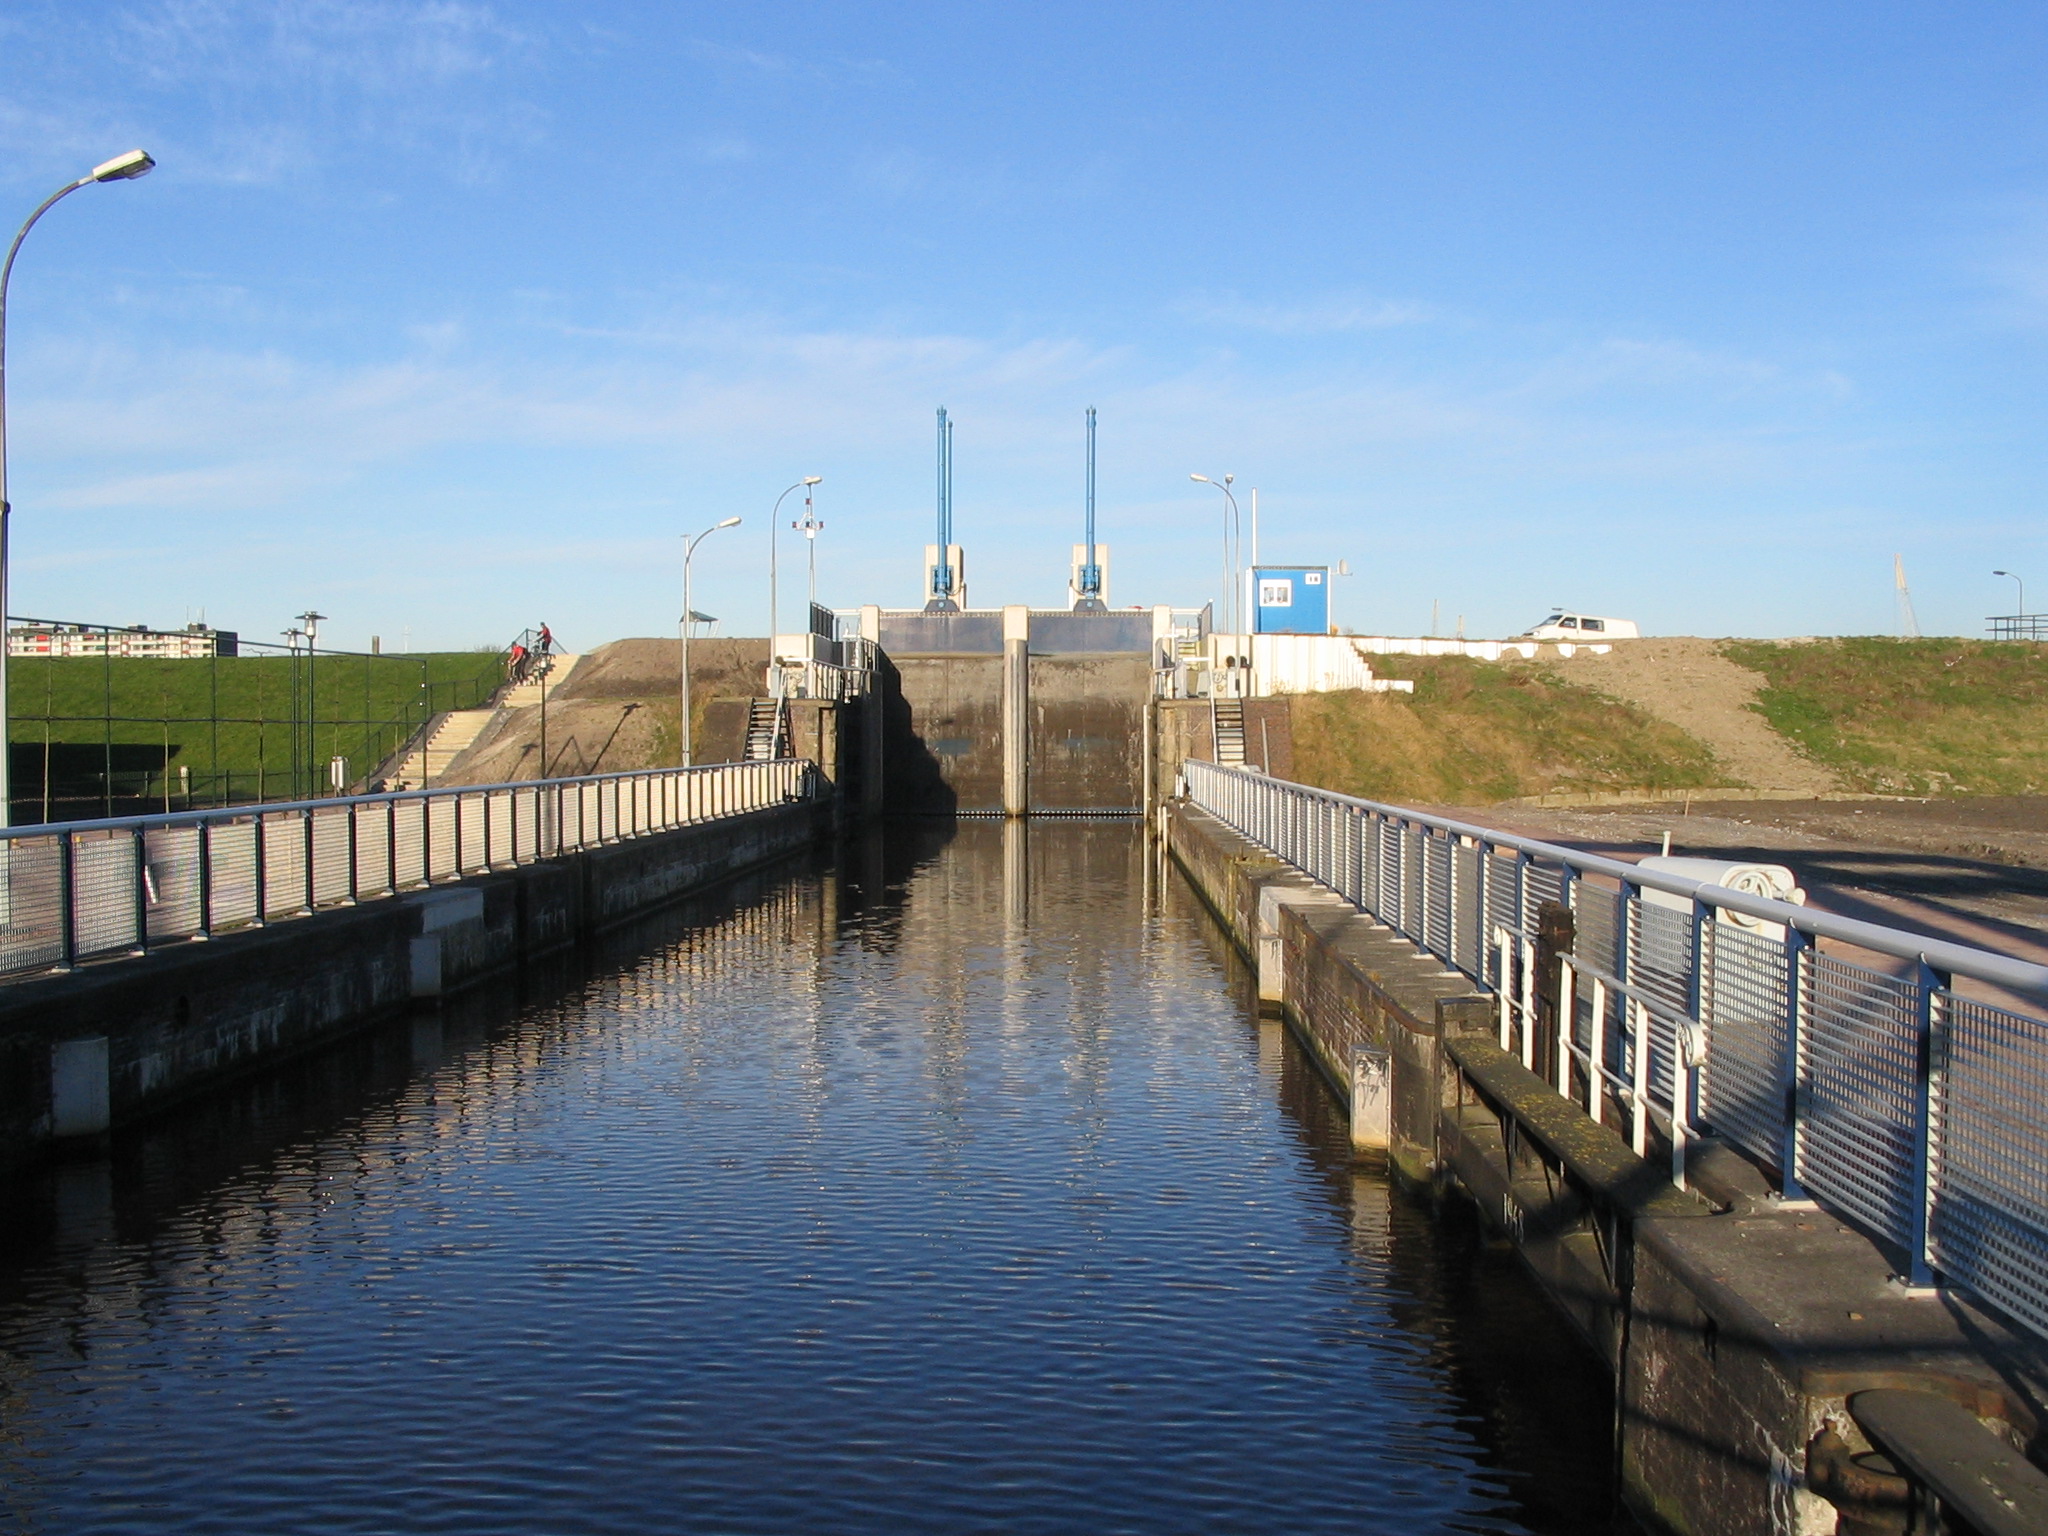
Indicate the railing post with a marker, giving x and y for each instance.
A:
(1930, 1022)
(67, 896)
(391, 844)
(1627, 935)
(1522, 863)
(426, 841)
(1500, 949)
(355, 892)
(1639, 1118)
(141, 893)
(1529, 953)
(1796, 944)
(1596, 1053)
(1567, 1020)
(206, 878)
(261, 843)
(1697, 995)
(306, 825)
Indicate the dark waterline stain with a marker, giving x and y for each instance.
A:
(951, 1185)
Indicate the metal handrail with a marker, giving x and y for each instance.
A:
(82, 890)
(280, 807)
(1984, 965)
(1858, 1073)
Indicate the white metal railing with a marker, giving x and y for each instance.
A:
(1840, 1054)
(86, 890)
(802, 679)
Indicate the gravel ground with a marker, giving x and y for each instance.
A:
(1688, 683)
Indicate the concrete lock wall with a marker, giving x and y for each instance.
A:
(1742, 1333)
(943, 748)
(1011, 729)
(1087, 730)
(86, 1051)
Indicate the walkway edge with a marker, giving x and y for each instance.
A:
(88, 1051)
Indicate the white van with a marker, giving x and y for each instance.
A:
(1580, 626)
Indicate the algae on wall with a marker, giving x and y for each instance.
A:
(1913, 717)
(1477, 732)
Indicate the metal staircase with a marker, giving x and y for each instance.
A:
(767, 730)
(1226, 723)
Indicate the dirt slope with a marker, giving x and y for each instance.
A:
(618, 710)
(1688, 683)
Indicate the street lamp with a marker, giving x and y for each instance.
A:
(121, 168)
(1234, 605)
(809, 528)
(774, 526)
(690, 543)
(2015, 575)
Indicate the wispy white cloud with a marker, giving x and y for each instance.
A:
(251, 429)
(757, 61)
(269, 91)
(723, 149)
(1324, 316)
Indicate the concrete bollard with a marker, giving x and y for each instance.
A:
(80, 1104)
(426, 965)
(1372, 1098)
(1016, 711)
(439, 911)
(1271, 959)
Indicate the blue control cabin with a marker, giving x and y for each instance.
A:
(1290, 599)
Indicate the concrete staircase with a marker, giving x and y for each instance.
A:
(451, 736)
(1226, 718)
(541, 682)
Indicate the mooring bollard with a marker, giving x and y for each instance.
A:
(1372, 1097)
(80, 1104)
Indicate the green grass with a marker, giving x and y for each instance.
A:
(228, 722)
(1476, 732)
(1915, 717)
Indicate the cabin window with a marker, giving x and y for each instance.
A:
(1567, 623)
(1594, 624)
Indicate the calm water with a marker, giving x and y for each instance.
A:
(950, 1189)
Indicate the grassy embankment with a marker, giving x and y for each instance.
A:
(1476, 732)
(228, 721)
(1911, 717)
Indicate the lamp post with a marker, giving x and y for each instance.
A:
(2015, 575)
(312, 633)
(1235, 605)
(121, 168)
(774, 596)
(690, 543)
(809, 528)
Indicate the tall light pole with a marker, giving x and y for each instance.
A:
(809, 528)
(2015, 575)
(312, 622)
(121, 168)
(774, 597)
(1233, 604)
(690, 543)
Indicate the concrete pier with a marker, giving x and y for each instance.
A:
(1016, 711)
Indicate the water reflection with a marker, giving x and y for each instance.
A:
(952, 1187)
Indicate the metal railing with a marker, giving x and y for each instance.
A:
(799, 678)
(2018, 626)
(1840, 1054)
(94, 889)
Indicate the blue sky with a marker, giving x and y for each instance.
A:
(448, 318)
